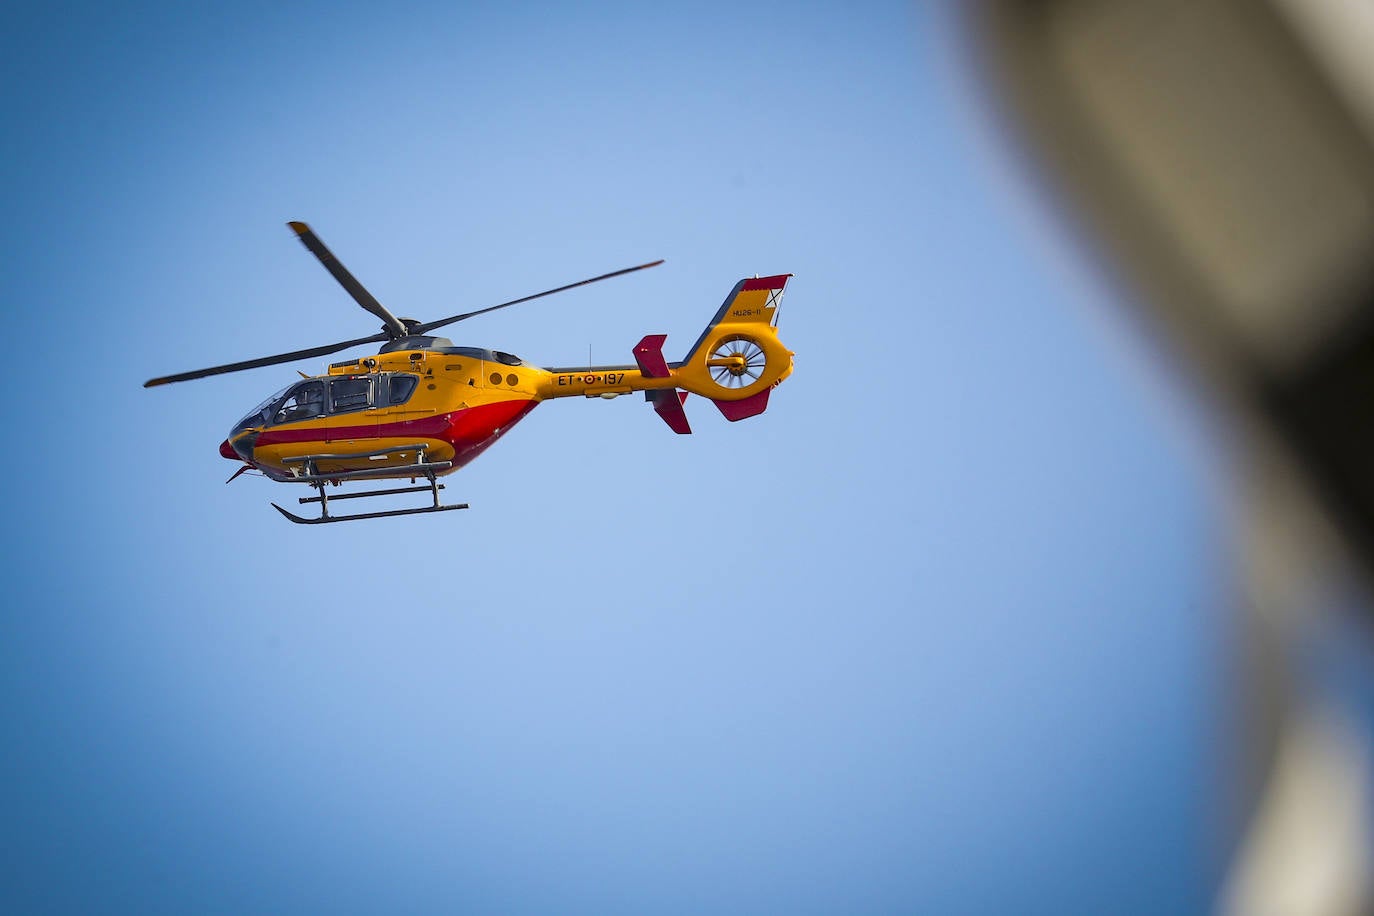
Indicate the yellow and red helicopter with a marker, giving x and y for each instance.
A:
(422, 407)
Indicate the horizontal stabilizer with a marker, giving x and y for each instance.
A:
(668, 405)
(649, 355)
(751, 406)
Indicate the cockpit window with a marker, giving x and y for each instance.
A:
(402, 387)
(508, 358)
(262, 414)
(348, 394)
(304, 402)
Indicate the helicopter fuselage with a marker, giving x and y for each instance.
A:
(455, 402)
(422, 408)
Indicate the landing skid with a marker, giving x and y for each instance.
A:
(310, 474)
(324, 519)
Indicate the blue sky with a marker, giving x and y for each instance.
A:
(940, 631)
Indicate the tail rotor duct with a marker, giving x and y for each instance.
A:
(737, 362)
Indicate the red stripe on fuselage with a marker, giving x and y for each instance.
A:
(470, 430)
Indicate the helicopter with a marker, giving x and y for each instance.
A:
(422, 408)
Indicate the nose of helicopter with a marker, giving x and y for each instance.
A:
(227, 451)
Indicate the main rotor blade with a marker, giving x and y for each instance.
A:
(392, 324)
(428, 326)
(263, 361)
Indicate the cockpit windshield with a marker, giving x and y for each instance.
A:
(300, 401)
(262, 414)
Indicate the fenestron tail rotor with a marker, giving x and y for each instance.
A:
(737, 362)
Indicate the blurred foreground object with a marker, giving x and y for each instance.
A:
(1220, 157)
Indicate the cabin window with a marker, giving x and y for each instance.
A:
(349, 394)
(304, 402)
(402, 387)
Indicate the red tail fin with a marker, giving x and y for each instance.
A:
(649, 355)
(668, 405)
(751, 406)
